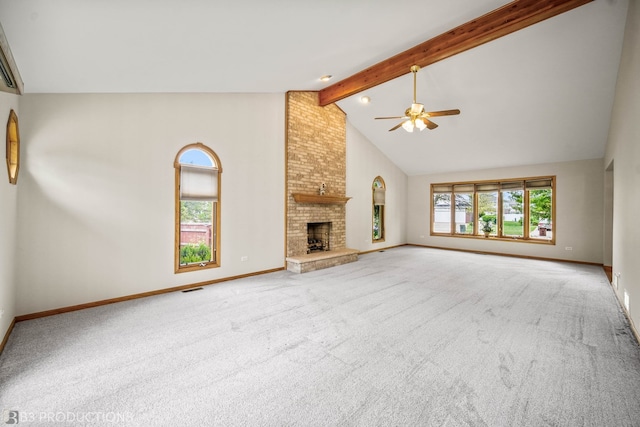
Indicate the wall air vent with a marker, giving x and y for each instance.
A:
(10, 80)
(6, 73)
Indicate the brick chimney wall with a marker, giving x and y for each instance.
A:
(316, 154)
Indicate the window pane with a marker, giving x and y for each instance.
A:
(377, 222)
(487, 211)
(196, 232)
(540, 210)
(512, 213)
(379, 192)
(195, 156)
(442, 213)
(464, 213)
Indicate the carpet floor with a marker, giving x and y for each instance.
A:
(404, 337)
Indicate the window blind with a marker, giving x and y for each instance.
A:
(198, 183)
(512, 185)
(487, 187)
(463, 188)
(379, 196)
(539, 183)
(442, 188)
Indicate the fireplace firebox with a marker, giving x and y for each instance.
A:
(318, 236)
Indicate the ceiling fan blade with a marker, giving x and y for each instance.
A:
(442, 113)
(396, 126)
(395, 117)
(430, 125)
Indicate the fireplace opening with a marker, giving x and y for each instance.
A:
(318, 234)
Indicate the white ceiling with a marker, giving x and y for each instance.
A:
(542, 94)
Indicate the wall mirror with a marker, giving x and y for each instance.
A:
(13, 147)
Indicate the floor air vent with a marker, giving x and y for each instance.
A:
(191, 290)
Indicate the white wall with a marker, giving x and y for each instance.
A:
(97, 191)
(364, 163)
(623, 149)
(8, 223)
(579, 214)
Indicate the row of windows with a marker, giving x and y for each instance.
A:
(516, 209)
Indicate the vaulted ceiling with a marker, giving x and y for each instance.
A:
(541, 94)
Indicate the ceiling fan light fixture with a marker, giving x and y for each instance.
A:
(408, 126)
(416, 108)
(420, 124)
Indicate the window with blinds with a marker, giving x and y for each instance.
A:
(519, 209)
(197, 224)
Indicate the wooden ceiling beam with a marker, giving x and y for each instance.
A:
(502, 21)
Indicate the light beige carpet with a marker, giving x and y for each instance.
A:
(405, 337)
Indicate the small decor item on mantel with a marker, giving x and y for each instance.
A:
(322, 189)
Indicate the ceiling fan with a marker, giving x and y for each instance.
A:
(415, 116)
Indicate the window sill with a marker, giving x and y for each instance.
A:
(195, 267)
(496, 238)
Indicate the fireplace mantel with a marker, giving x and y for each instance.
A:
(317, 198)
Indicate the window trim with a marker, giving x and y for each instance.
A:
(526, 184)
(178, 268)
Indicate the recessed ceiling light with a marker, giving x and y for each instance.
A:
(365, 99)
(326, 78)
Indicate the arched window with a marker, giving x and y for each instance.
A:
(378, 199)
(197, 195)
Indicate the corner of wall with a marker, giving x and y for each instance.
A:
(8, 227)
(621, 160)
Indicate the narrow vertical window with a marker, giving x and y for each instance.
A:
(540, 201)
(512, 197)
(197, 193)
(441, 212)
(463, 196)
(379, 196)
(487, 208)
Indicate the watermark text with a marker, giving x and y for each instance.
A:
(12, 417)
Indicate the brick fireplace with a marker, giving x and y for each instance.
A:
(316, 181)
